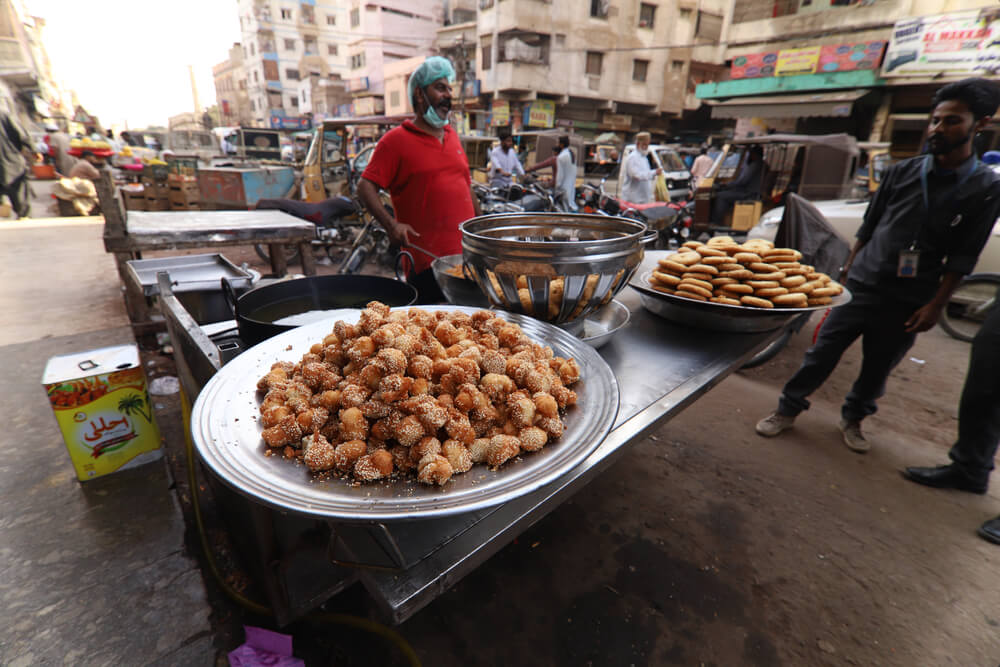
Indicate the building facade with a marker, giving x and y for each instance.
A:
(231, 89)
(812, 67)
(27, 85)
(283, 42)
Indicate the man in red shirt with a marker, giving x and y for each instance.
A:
(422, 165)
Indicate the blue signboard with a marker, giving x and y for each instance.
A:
(282, 122)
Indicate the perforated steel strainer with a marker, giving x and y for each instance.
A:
(552, 266)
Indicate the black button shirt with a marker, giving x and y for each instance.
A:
(949, 235)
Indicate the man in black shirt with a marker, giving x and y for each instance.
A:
(922, 232)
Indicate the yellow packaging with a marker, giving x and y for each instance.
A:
(103, 409)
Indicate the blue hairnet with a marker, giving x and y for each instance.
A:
(432, 69)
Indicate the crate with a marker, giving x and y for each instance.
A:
(134, 199)
(184, 206)
(182, 169)
(745, 215)
(155, 190)
(155, 172)
(184, 195)
(157, 204)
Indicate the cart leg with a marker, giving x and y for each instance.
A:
(279, 265)
(308, 260)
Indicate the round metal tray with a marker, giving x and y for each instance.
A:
(601, 325)
(711, 315)
(226, 434)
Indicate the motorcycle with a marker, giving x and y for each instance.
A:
(672, 220)
(336, 219)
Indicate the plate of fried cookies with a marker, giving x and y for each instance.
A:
(730, 286)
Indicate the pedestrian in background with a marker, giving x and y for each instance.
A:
(700, 167)
(504, 163)
(637, 175)
(566, 173)
(923, 231)
(15, 152)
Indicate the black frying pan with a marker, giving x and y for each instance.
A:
(267, 311)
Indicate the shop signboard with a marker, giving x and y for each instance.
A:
(753, 65)
(617, 121)
(500, 113)
(540, 113)
(792, 62)
(961, 43)
(281, 122)
(850, 57)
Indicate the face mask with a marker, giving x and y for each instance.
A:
(431, 116)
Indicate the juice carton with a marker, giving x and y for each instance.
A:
(102, 405)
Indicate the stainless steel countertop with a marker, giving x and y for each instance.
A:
(661, 367)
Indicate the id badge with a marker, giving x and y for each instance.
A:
(908, 261)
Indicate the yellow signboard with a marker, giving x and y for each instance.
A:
(501, 113)
(542, 113)
(797, 61)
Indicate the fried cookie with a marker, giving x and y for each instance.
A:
(768, 292)
(690, 295)
(791, 300)
(737, 288)
(756, 302)
(747, 257)
(696, 289)
(667, 279)
(729, 301)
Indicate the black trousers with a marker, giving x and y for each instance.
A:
(979, 407)
(20, 198)
(879, 323)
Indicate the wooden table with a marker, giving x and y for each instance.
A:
(128, 234)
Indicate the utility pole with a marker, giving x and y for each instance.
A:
(461, 78)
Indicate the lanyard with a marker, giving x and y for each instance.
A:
(927, 167)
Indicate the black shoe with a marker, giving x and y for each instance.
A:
(990, 531)
(944, 477)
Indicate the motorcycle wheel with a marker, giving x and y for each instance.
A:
(264, 252)
(969, 305)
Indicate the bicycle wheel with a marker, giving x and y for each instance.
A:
(264, 252)
(965, 312)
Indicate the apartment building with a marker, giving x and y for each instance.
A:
(231, 89)
(383, 32)
(285, 41)
(816, 66)
(27, 86)
(596, 65)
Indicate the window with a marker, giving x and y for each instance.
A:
(485, 4)
(355, 17)
(594, 61)
(251, 49)
(295, 102)
(292, 74)
(331, 49)
(646, 14)
(394, 98)
(289, 45)
(709, 26)
(271, 70)
(357, 61)
(304, 96)
(639, 69)
(286, 14)
(310, 46)
(487, 56)
(255, 77)
(599, 8)
(253, 106)
(685, 13)
(331, 20)
(307, 13)
(524, 47)
(676, 65)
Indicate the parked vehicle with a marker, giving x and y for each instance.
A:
(671, 220)
(665, 158)
(157, 141)
(817, 167)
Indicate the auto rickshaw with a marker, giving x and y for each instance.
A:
(327, 170)
(817, 167)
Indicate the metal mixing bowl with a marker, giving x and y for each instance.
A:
(552, 266)
(458, 291)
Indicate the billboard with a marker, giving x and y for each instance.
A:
(962, 43)
(797, 61)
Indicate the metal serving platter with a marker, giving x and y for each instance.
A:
(226, 434)
(711, 315)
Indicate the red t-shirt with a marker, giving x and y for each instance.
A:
(429, 183)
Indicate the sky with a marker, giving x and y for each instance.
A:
(128, 60)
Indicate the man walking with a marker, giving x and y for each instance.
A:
(922, 232)
(566, 174)
(637, 175)
(424, 168)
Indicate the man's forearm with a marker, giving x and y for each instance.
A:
(858, 245)
(368, 194)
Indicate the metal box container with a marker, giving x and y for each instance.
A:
(242, 187)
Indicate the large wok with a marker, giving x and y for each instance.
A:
(272, 309)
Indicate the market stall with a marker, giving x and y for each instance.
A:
(408, 543)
